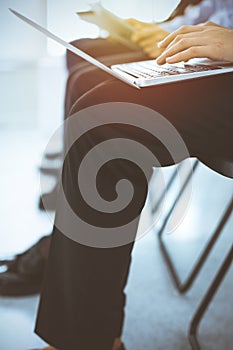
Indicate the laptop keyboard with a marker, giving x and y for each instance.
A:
(150, 70)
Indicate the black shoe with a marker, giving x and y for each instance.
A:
(24, 274)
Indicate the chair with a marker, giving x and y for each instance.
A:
(223, 167)
(170, 182)
(207, 298)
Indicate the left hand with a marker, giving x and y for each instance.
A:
(200, 41)
(147, 35)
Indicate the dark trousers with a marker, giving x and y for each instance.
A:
(82, 302)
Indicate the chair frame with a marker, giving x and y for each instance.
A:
(217, 280)
(207, 298)
(184, 286)
(181, 286)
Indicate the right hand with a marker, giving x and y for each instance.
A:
(207, 40)
(147, 35)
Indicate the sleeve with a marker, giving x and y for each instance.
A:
(223, 17)
(193, 15)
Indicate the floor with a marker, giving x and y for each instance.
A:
(21, 225)
(157, 317)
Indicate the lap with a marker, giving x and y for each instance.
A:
(201, 110)
(99, 48)
(83, 76)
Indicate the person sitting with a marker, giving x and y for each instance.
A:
(24, 273)
(82, 302)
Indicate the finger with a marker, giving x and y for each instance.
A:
(182, 37)
(151, 41)
(130, 21)
(153, 53)
(183, 30)
(211, 24)
(152, 30)
(192, 52)
(148, 42)
(143, 33)
(133, 22)
(182, 45)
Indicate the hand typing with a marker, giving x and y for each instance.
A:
(200, 41)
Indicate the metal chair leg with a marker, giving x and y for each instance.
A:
(159, 201)
(193, 327)
(178, 196)
(166, 255)
(184, 286)
(170, 182)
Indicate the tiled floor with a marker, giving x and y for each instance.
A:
(156, 315)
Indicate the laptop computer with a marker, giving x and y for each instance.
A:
(144, 73)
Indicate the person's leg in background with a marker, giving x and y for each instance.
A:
(71, 315)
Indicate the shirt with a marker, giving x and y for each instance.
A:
(217, 11)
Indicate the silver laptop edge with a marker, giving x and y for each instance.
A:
(146, 82)
(117, 71)
(72, 48)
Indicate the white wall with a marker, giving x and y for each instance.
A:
(63, 21)
(17, 42)
(21, 49)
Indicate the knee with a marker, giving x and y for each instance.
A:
(71, 58)
(86, 45)
(82, 44)
(110, 90)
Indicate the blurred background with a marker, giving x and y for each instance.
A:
(32, 86)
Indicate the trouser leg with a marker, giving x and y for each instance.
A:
(82, 303)
(200, 110)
